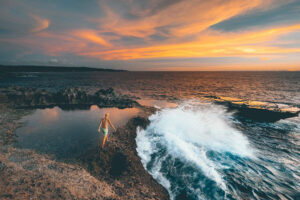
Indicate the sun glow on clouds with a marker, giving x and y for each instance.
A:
(138, 30)
(41, 24)
(91, 36)
(209, 44)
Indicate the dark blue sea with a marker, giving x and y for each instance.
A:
(194, 146)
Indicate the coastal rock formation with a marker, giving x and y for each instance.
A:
(119, 164)
(256, 110)
(112, 173)
(69, 98)
(27, 175)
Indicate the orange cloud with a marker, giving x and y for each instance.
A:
(184, 25)
(182, 18)
(41, 23)
(187, 17)
(90, 36)
(208, 44)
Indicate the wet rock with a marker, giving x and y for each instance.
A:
(182, 196)
(118, 165)
(2, 166)
(114, 172)
(106, 92)
(69, 98)
(246, 110)
(140, 121)
(6, 196)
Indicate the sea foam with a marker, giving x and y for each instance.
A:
(187, 132)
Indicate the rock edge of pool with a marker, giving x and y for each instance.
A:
(114, 172)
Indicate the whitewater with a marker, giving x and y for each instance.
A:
(198, 150)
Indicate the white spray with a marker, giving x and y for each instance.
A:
(188, 132)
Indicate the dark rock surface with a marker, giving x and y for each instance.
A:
(114, 173)
(258, 114)
(256, 110)
(67, 99)
(118, 161)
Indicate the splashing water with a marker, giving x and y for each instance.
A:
(200, 151)
(187, 134)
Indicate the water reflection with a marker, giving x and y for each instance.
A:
(157, 103)
(67, 133)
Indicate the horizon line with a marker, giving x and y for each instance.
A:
(128, 70)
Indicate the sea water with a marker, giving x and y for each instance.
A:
(198, 149)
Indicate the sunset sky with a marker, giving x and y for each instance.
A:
(152, 34)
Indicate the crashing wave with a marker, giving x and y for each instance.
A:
(189, 133)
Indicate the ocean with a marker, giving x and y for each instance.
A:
(198, 148)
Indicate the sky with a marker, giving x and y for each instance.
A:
(152, 35)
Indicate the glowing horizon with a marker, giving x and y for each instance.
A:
(179, 35)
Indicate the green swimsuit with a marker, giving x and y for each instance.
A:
(104, 131)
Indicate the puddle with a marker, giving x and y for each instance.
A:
(67, 134)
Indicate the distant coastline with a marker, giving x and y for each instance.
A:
(35, 68)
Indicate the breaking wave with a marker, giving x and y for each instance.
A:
(191, 141)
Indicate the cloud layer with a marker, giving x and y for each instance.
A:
(153, 34)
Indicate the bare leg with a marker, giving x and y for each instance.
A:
(104, 139)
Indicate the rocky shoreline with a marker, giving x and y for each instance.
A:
(114, 172)
(256, 110)
(66, 99)
(120, 165)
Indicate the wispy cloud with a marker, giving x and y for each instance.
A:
(40, 23)
(90, 36)
(110, 31)
(209, 44)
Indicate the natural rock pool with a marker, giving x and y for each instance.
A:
(67, 134)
